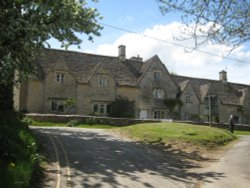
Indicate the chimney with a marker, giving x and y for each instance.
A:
(122, 52)
(138, 58)
(223, 76)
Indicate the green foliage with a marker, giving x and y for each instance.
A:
(27, 120)
(220, 22)
(18, 152)
(26, 27)
(70, 104)
(73, 123)
(90, 121)
(123, 107)
(171, 103)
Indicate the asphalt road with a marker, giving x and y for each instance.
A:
(98, 159)
(235, 167)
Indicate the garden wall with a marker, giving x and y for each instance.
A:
(55, 118)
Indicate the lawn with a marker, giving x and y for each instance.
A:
(204, 136)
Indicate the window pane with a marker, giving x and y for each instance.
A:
(53, 106)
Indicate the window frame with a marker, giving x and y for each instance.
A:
(102, 108)
(102, 81)
(157, 75)
(158, 93)
(159, 114)
(188, 99)
(57, 106)
(60, 77)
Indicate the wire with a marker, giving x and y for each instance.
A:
(173, 43)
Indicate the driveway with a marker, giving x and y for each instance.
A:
(96, 158)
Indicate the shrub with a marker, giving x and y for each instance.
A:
(73, 123)
(123, 107)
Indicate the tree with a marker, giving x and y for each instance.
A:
(123, 107)
(25, 29)
(70, 105)
(224, 22)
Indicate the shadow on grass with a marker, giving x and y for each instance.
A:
(99, 160)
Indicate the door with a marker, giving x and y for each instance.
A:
(143, 114)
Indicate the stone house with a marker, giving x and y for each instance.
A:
(95, 81)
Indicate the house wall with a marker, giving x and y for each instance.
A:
(58, 91)
(190, 110)
(146, 100)
(91, 93)
(35, 96)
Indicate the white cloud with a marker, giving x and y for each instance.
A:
(194, 64)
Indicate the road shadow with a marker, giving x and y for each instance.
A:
(97, 159)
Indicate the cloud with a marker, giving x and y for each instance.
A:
(160, 40)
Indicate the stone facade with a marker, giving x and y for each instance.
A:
(95, 81)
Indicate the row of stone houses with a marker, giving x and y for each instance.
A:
(95, 81)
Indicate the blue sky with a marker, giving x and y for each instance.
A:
(144, 18)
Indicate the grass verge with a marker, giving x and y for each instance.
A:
(162, 133)
(19, 159)
(72, 123)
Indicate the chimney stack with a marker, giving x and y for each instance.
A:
(122, 52)
(223, 76)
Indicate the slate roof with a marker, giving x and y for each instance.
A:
(227, 92)
(129, 72)
(83, 65)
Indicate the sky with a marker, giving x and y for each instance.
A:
(152, 33)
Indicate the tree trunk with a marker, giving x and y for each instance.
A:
(6, 98)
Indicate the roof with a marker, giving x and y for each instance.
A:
(83, 65)
(227, 92)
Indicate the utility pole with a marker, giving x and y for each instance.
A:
(210, 110)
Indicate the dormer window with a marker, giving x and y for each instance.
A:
(157, 75)
(158, 93)
(188, 99)
(60, 77)
(102, 81)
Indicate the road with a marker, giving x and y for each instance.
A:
(95, 158)
(235, 167)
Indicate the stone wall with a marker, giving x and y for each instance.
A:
(84, 119)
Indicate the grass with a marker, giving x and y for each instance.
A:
(207, 137)
(19, 159)
(242, 132)
(72, 123)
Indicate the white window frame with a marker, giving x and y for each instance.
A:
(102, 81)
(158, 93)
(101, 108)
(60, 77)
(157, 75)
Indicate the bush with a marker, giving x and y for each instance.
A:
(73, 123)
(18, 152)
(123, 108)
(90, 121)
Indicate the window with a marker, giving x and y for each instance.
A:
(102, 109)
(158, 114)
(102, 81)
(157, 75)
(59, 77)
(158, 93)
(188, 99)
(248, 103)
(57, 106)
